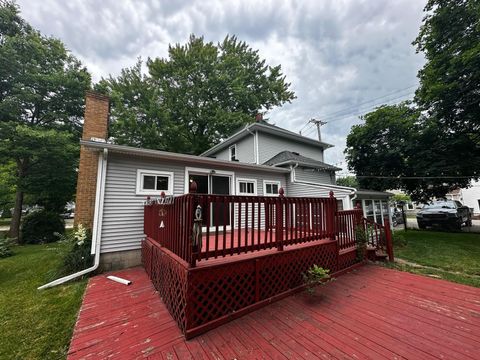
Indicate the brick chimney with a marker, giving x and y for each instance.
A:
(95, 127)
(259, 117)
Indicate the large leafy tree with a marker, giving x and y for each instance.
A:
(449, 89)
(42, 88)
(198, 95)
(397, 148)
(438, 148)
(450, 80)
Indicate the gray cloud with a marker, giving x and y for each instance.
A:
(336, 54)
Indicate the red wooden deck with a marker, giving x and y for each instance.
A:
(370, 313)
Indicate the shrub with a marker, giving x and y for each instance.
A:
(42, 226)
(361, 238)
(5, 250)
(78, 257)
(314, 276)
(6, 213)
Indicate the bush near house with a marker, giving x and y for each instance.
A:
(41, 227)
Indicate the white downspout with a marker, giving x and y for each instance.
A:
(97, 224)
(255, 144)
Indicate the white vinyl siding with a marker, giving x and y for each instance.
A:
(305, 190)
(313, 176)
(270, 145)
(244, 150)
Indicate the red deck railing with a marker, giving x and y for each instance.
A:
(347, 222)
(229, 225)
(379, 236)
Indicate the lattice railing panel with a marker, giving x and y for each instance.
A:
(284, 271)
(216, 292)
(147, 257)
(348, 259)
(169, 278)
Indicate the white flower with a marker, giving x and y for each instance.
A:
(80, 235)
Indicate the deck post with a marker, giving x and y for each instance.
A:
(195, 214)
(279, 219)
(388, 240)
(331, 214)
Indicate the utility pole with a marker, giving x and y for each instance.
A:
(318, 124)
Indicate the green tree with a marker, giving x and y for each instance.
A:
(42, 87)
(349, 181)
(449, 89)
(397, 148)
(46, 162)
(194, 98)
(380, 149)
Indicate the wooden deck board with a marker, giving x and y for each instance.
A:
(372, 313)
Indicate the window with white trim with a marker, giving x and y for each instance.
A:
(246, 187)
(270, 188)
(233, 152)
(154, 182)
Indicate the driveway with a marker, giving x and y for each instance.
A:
(412, 224)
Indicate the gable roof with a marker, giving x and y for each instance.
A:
(289, 157)
(265, 127)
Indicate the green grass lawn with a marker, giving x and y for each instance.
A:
(455, 256)
(5, 222)
(36, 324)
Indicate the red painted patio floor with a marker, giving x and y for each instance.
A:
(371, 313)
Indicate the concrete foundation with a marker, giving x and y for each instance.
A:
(120, 260)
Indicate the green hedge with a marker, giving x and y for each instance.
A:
(41, 227)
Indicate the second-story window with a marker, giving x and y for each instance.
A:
(233, 153)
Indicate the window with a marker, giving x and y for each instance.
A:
(233, 153)
(154, 182)
(246, 187)
(270, 188)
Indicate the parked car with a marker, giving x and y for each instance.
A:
(445, 213)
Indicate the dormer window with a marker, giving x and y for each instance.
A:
(233, 153)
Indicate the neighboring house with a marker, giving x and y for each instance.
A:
(114, 180)
(469, 197)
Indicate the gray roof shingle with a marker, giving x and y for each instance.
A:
(286, 157)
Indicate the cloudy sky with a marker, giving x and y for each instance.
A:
(342, 57)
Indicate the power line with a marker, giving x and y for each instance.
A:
(369, 101)
(359, 113)
(415, 177)
(371, 107)
(332, 115)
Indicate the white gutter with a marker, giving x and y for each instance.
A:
(97, 224)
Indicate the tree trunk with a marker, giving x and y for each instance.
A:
(14, 231)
